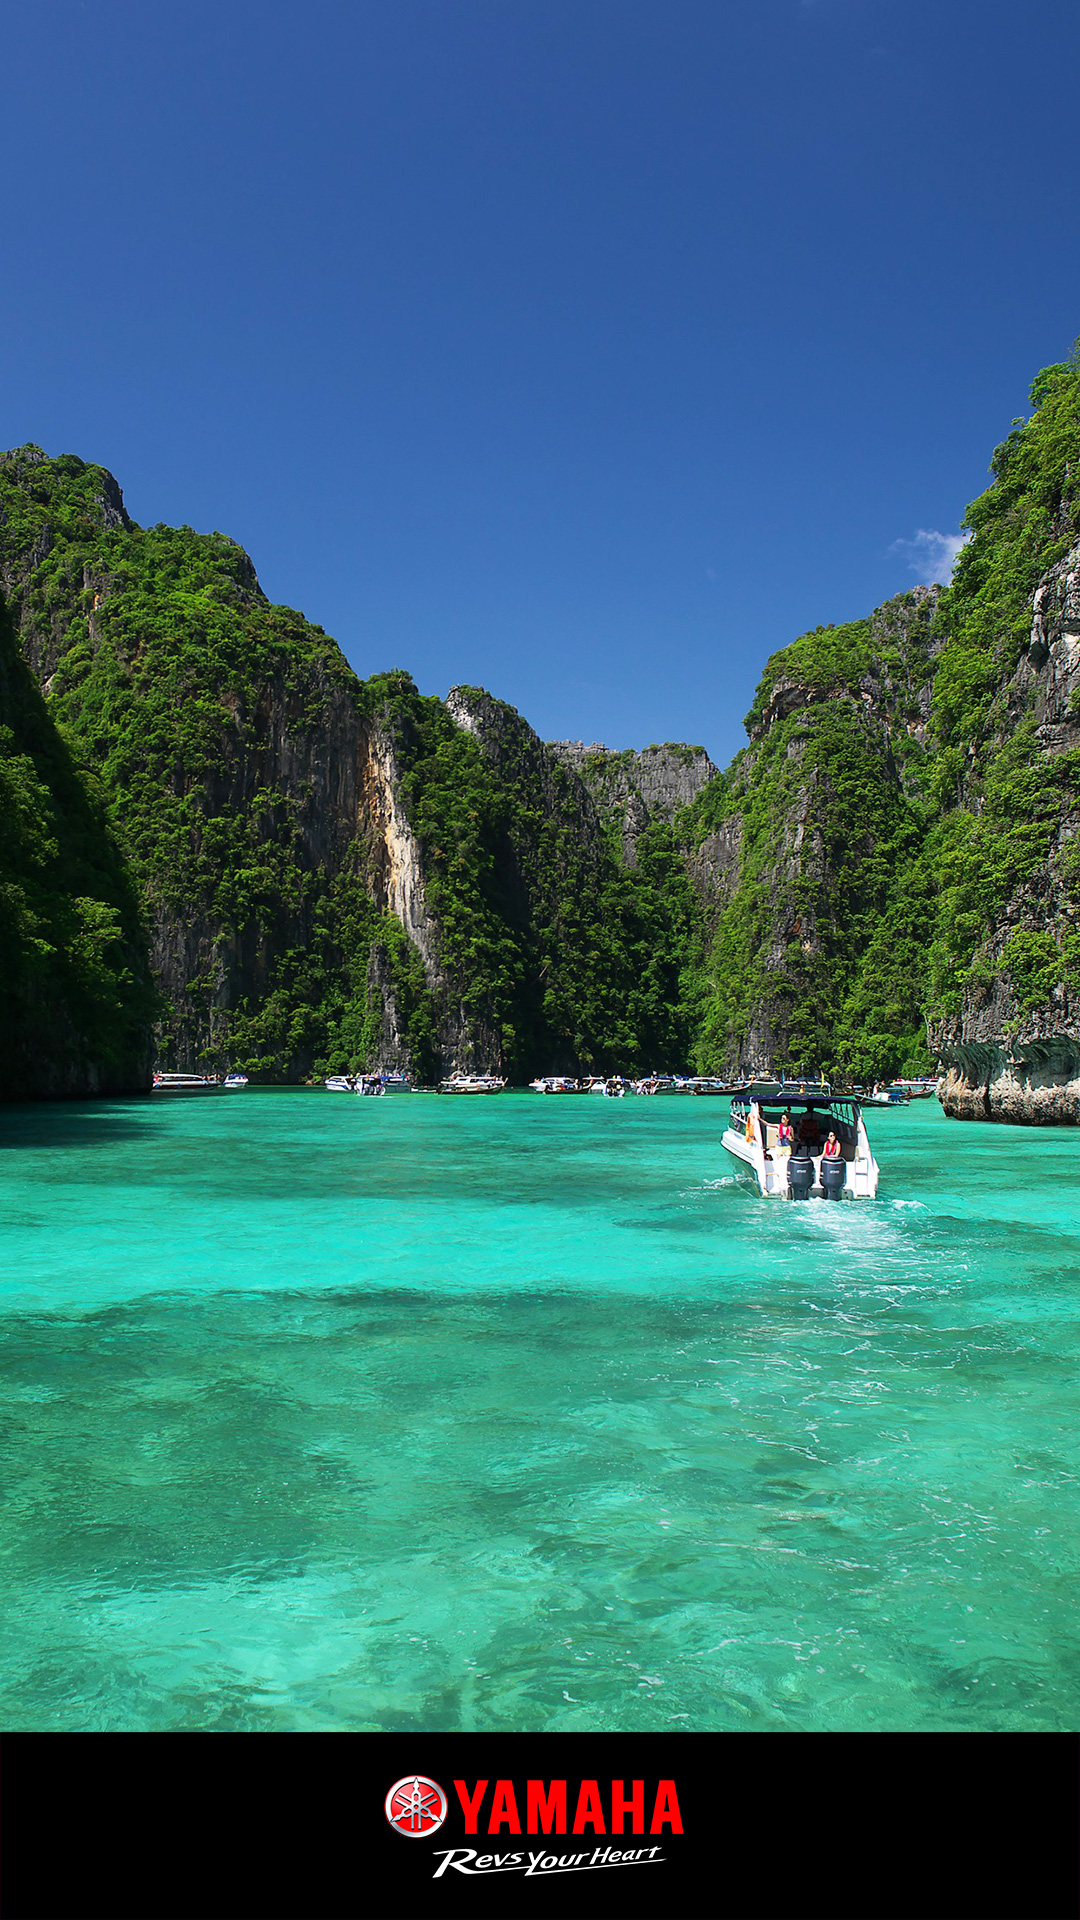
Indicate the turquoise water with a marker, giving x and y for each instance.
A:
(522, 1413)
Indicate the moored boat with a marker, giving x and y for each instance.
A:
(682, 1083)
(919, 1089)
(896, 1095)
(471, 1083)
(799, 1167)
(187, 1083)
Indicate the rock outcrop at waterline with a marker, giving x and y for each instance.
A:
(1037, 1086)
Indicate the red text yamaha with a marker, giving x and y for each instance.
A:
(547, 1803)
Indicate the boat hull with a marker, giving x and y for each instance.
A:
(771, 1170)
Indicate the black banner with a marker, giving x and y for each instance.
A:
(402, 1827)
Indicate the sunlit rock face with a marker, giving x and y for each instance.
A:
(631, 788)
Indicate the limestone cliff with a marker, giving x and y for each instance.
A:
(252, 782)
(332, 873)
(1012, 1047)
(630, 789)
(76, 1000)
(810, 839)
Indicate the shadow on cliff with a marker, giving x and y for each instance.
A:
(76, 996)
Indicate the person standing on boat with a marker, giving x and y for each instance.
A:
(785, 1133)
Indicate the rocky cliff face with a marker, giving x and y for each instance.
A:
(1012, 1047)
(630, 789)
(808, 841)
(332, 873)
(254, 786)
(597, 943)
(76, 1000)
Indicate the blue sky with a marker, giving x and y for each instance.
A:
(588, 350)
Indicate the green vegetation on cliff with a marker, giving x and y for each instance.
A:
(570, 958)
(819, 956)
(1018, 528)
(1002, 801)
(239, 759)
(76, 1000)
(896, 807)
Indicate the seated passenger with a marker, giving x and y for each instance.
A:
(832, 1150)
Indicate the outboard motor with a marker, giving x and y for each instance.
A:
(833, 1178)
(800, 1175)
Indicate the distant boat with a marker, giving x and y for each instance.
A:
(893, 1096)
(187, 1083)
(471, 1083)
(234, 1080)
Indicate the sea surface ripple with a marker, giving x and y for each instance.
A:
(527, 1414)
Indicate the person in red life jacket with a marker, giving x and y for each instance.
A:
(785, 1133)
(832, 1149)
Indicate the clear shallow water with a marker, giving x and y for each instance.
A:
(527, 1414)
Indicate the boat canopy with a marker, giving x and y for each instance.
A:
(799, 1094)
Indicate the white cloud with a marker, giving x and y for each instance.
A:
(932, 555)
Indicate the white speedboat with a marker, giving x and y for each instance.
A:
(187, 1083)
(471, 1083)
(235, 1080)
(752, 1137)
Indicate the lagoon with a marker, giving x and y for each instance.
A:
(521, 1414)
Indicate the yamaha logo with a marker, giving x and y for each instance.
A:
(416, 1806)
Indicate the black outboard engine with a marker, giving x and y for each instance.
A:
(833, 1177)
(800, 1175)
